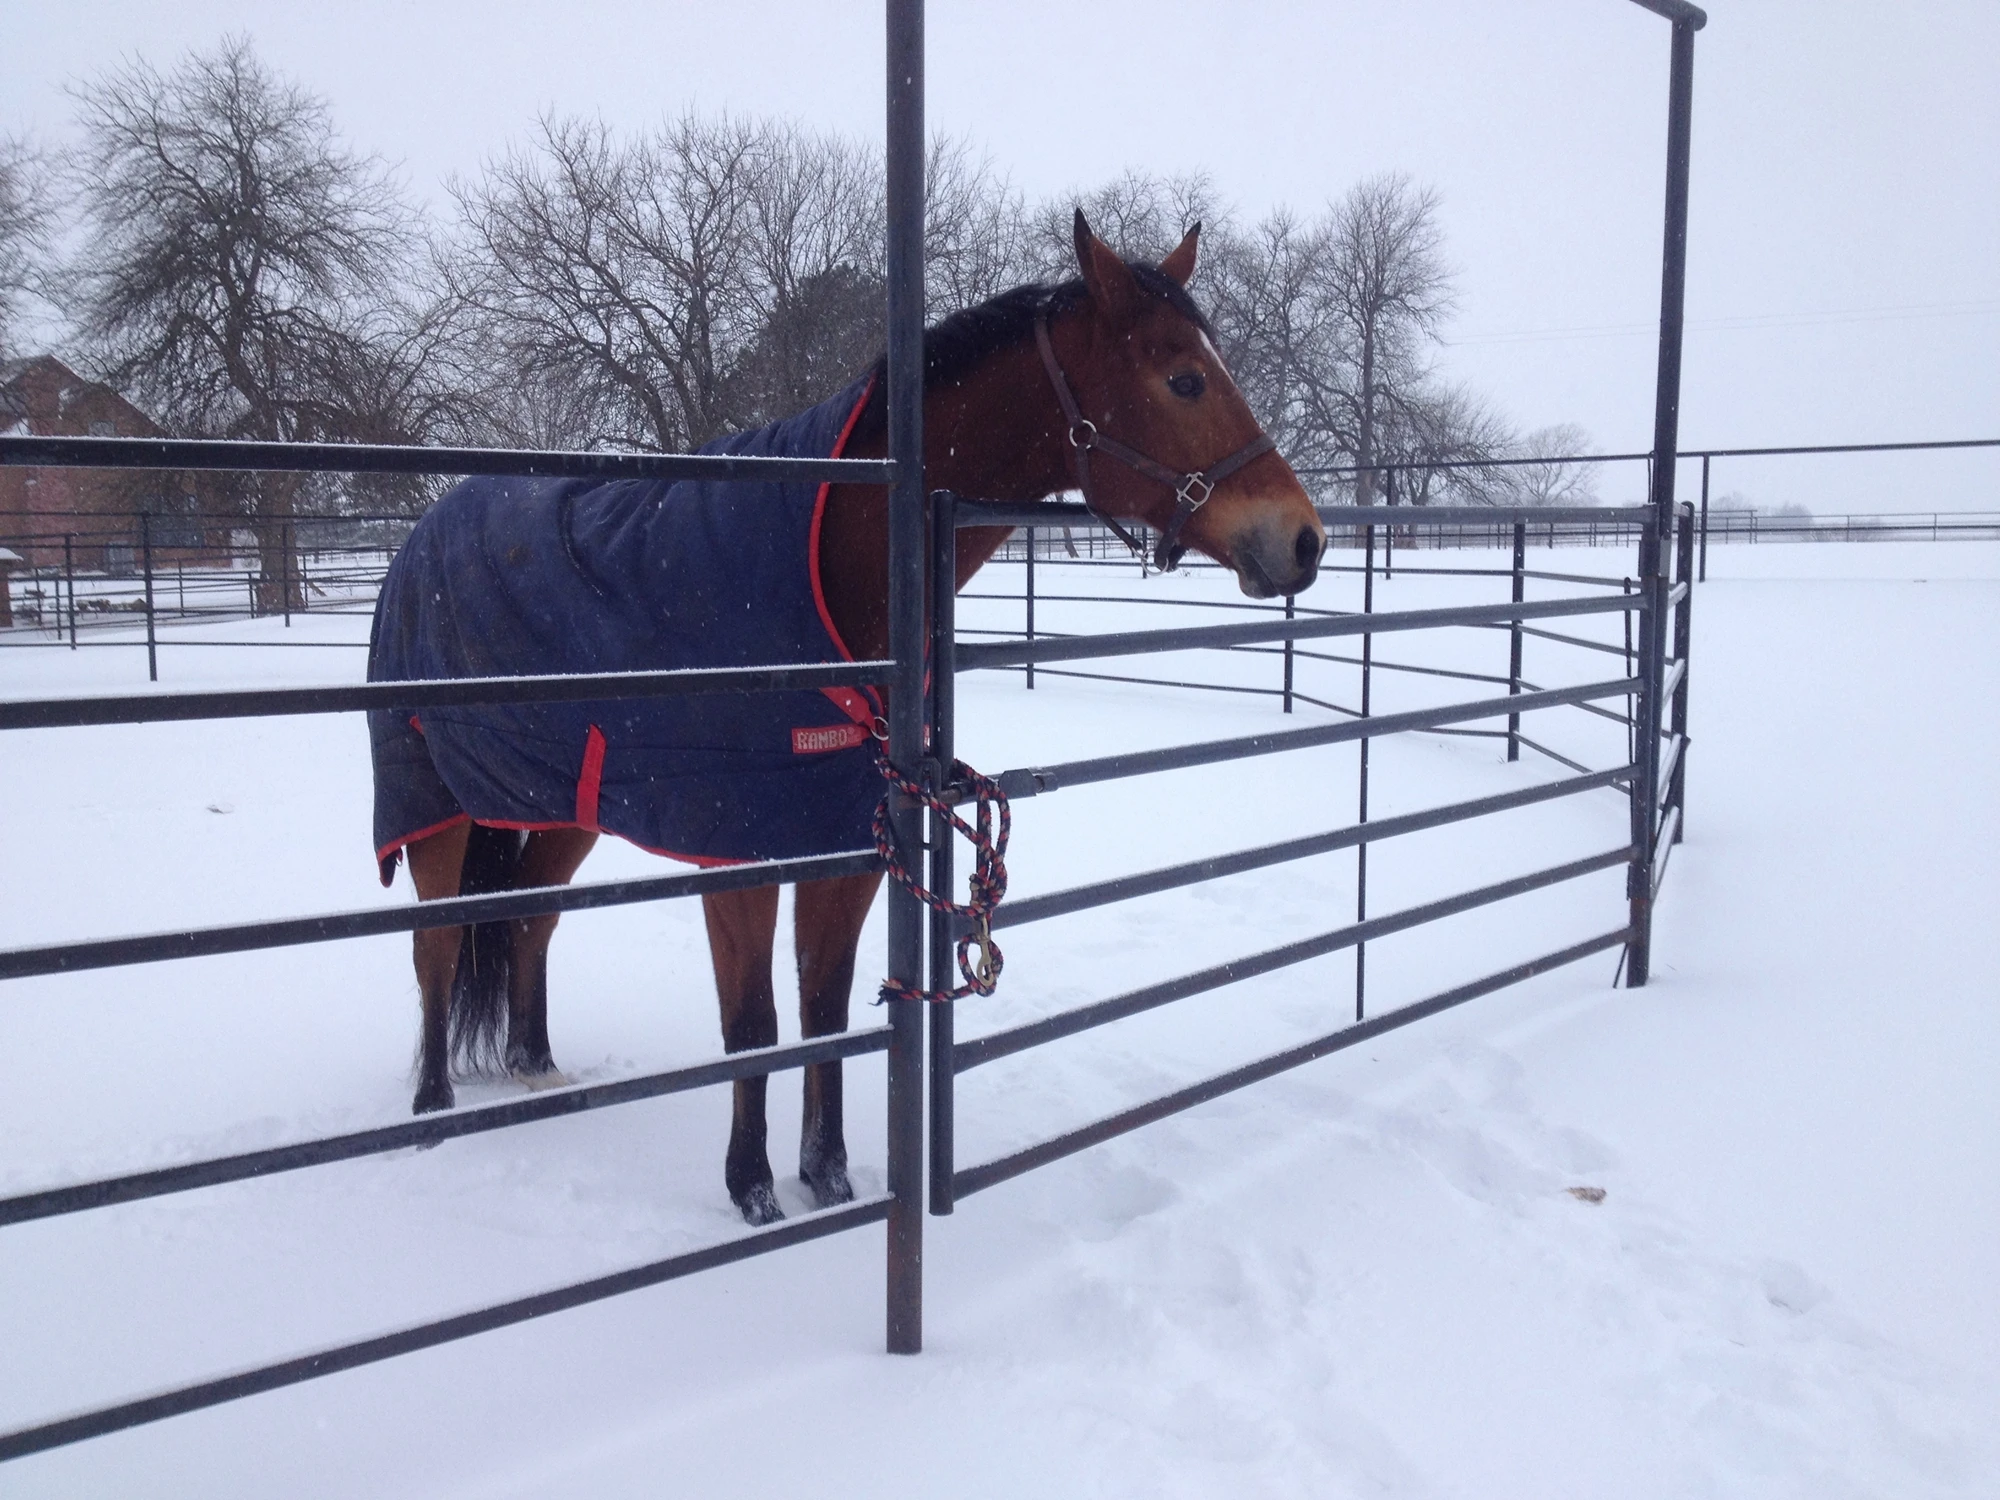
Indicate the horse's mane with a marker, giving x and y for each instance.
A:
(960, 343)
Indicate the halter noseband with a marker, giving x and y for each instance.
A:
(1191, 490)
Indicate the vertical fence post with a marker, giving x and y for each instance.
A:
(146, 557)
(1031, 602)
(1514, 637)
(1361, 849)
(944, 931)
(1653, 541)
(1704, 519)
(905, 161)
(285, 570)
(1291, 612)
(69, 577)
(1389, 533)
(1683, 638)
(1631, 717)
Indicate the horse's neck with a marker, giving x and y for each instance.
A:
(994, 435)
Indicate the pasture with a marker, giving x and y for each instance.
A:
(1368, 1276)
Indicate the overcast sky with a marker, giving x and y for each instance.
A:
(1843, 285)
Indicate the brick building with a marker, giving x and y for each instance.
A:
(97, 508)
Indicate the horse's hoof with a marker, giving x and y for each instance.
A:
(760, 1206)
(829, 1188)
(432, 1097)
(537, 1079)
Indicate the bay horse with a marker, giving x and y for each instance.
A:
(1019, 393)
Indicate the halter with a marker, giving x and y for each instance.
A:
(1191, 490)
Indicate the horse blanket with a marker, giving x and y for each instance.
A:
(530, 576)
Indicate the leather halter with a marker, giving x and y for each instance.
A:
(1191, 490)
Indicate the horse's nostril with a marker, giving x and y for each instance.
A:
(1305, 551)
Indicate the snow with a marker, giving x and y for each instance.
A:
(1365, 1277)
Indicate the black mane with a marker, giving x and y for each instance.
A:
(958, 344)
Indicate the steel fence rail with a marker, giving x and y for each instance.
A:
(1576, 640)
(1589, 708)
(1031, 781)
(1169, 682)
(1218, 866)
(983, 513)
(1436, 517)
(182, 1399)
(428, 1130)
(1530, 513)
(1540, 749)
(368, 458)
(1664, 841)
(1670, 759)
(452, 911)
(1147, 642)
(1379, 665)
(249, 703)
(998, 1044)
(973, 1179)
(1305, 611)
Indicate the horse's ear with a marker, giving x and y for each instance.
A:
(1179, 267)
(1111, 283)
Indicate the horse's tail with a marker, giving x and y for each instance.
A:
(478, 1025)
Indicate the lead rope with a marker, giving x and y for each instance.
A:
(988, 883)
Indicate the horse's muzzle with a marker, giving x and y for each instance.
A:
(1273, 560)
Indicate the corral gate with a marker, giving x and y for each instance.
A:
(912, 624)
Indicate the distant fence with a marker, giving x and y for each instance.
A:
(93, 580)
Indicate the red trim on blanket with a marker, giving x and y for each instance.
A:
(859, 706)
(703, 860)
(387, 855)
(385, 858)
(590, 779)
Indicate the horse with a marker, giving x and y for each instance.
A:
(1020, 393)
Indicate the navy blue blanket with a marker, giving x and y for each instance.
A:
(524, 576)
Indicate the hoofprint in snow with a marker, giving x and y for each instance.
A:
(1366, 1277)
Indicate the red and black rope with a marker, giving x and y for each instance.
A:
(987, 833)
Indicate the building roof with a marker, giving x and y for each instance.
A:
(38, 395)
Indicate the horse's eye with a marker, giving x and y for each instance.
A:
(1187, 385)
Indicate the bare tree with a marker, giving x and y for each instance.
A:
(628, 263)
(1141, 215)
(815, 238)
(713, 275)
(1445, 437)
(1386, 280)
(975, 229)
(236, 255)
(26, 220)
(1283, 338)
(1550, 480)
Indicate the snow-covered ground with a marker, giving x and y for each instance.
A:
(1365, 1277)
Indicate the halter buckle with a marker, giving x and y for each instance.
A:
(1189, 484)
(1089, 430)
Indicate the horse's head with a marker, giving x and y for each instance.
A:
(1159, 432)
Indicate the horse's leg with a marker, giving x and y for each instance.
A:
(435, 863)
(740, 928)
(826, 931)
(551, 857)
